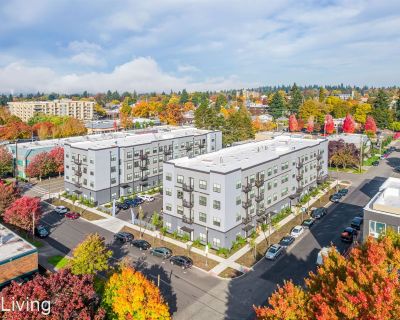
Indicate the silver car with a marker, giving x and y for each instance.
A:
(61, 210)
(274, 252)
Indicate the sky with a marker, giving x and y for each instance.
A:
(70, 46)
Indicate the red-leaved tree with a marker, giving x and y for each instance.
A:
(8, 193)
(70, 297)
(5, 161)
(310, 124)
(293, 125)
(57, 154)
(349, 125)
(370, 125)
(41, 165)
(329, 124)
(22, 212)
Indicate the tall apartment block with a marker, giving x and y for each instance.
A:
(111, 168)
(216, 197)
(25, 110)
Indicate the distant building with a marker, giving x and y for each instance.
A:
(355, 138)
(18, 258)
(256, 109)
(383, 211)
(263, 118)
(188, 117)
(102, 126)
(82, 110)
(346, 96)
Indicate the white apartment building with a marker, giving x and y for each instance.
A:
(107, 169)
(80, 109)
(216, 197)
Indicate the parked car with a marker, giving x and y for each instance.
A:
(318, 213)
(72, 215)
(343, 192)
(41, 231)
(323, 253)
(141, 244)
(274, 252)
(182, 261)
(162, 252)
(297, 231)
(382, 157)
(61, 209)
(123, 237)
(335, 198)
(397, 169)
(146, 198)
(286, 241)
(348, 234)
(308, 223)
(356, 223)
(375, 163)
(122, 205)
(134, 202)
(392, 148)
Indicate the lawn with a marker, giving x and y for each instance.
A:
(198, 260)
(230, 273)
(58, 262)
(37, 243)
(369, 161)
(86, 214)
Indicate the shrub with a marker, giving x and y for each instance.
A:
(223, 252)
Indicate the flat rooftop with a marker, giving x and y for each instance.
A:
(387, 200)
(138, 138)
(12, 245)
(245, 155)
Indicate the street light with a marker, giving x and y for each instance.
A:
(206, 248)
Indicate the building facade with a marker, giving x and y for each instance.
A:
(219, 196)
(383, 211)
(111, 168)
(25, 110)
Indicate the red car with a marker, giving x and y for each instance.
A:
(72, 215)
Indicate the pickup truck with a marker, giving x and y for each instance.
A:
(348, 234)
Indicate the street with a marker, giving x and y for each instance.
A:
(194, 294)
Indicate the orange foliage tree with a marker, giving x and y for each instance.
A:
(172, 114)
(293, 124)
(129, 295)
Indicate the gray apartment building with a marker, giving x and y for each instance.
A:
(383, 211)
(216, 197)
(107, 169)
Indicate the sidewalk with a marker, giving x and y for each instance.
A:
(45, 253)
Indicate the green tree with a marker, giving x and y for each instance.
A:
(238, 127)
(184, 97)
(126, 108)
(398, 106)
(296, 99)
(381, 100)
(383, 117)
(90, 256)
(321, 94)
(277, 107)
(220, 102)
(310, 108)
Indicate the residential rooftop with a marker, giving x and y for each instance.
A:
(387, 200)
(12, 245)
(246, 155)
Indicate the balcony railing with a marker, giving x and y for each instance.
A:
(260, 212)
(259, 198)
(259, 182)
(319, 167)
(187, 220)
(299, 165)
(319, 156)
(299, 177)
(144, 167)
(78, 173)
(189, 147)
(143, 156)
(202, 145)
(246, 188)
(187, 204)
(78, 184)
(246, 204)
(78, 161)
(144, 178)
(167, 152)
(187, 187)
(246, 220)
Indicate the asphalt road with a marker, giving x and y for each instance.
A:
(193, 294)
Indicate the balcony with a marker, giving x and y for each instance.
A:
(78, 184)
(188, 147)
(143, 183)
(319, 167)
(299, 165)
(143, 156)
(319, 156)
(299, 177)
(144, 178)
(259, 198)
(202, 145)
(187, 204)
(167, 152)
(259, 182)
(77, 161)
(246, 188)
(260, 212)
(78, 173)
(187, 187)
(187, 220)
(246, 204)
(246, 220)
(144, 167)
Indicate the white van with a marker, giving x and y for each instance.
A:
(146, 198)
(322, 253)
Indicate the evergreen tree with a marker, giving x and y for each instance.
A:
(381, 113)
(220, 102)
(381, 100)
(200, 116)
(184, 97)
(238, 127)
(398, 106)
(296, 99)
(277, 107)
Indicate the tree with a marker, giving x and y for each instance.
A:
(361, 112)
(310, 124)
(349, 125)
(90, 256)
(6, 161)
(398, 106)
(329, 125)
(237, 127)
(41, 165)
(296, 99)
(126, 108)
(8, 193)
(57, 155)
(129, 295)
(220, 102)
(370, 126)
(363, 286)
(381, 113)
(341, 154)
(257, 124)
(70, 297)
(310, 108)
(293, 125)
(184, 97)
(23, 212)
(15, 130)
(277, 107)
(101, 112)
(321, 94)
(381, 100)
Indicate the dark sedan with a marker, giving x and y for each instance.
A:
(375, 163)
(348, 234)
(141, 244)
(122, 206)
(318, 213)
(182, 261)
(356, 223)
(308, 223)
(286, 241)
(41, 231)
(123, 237)
(343, 191)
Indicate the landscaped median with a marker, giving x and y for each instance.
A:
(58, 262)
(83, 210)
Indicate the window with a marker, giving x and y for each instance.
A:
(285, 179)
(285, 192)
(136, 164)
(238, 200)
(217, 204)
(113, 180)
(269, 185)
(84, 182)
(168, 176)
(216, 243)
(217, 187)
(84, 170)
(202, 201)
(154, 170)
(202, 184)
(202, 217)
(84, 158)
(202, 237)
(136, 153)
(238, 184)
(179, 209)
(67, 155)
(155, 160)
(92, 184)
(179, 194)
(168, 207)
(275, 196)
(129, 155)
(129, 176)
(252, 194)
(113, 169)
(136, 175)
(113, 157)
(238, 216)
(155, 150)
(216, 221)
(168, 191)
(147, 151)
(275, 169)
(179, 179)
(168, 225)
(129, 166)
(376, 228)
(275, 183)
(269, 200)
(252, 178)
(269, 172)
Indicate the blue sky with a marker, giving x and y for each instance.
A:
(95, 45)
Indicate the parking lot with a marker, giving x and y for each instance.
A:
(148, 209)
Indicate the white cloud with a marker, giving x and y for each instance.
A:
(187, 68)
(141, 74)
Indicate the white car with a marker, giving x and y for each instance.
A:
(297, 231)
(146, 198)
(61, 210)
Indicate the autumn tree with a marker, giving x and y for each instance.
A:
(293, 125)
(349, 126)
(370, 126)
(257, 124)
(237, 127)
(6, 161)
(310, 124)
(129, 295)
(22, 212)
(15, 130)
(361, 112)
(90, 256)
(70, 297)
(310, 108)
(329, 125)
(296, 99)
(277, 107)
(8, 193)
(341, 154)
(57, 155)
(221, 101)
(41, 165)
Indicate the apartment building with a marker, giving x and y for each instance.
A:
(111, 168)
(383, 211)
(25, 110)
(216, 197)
